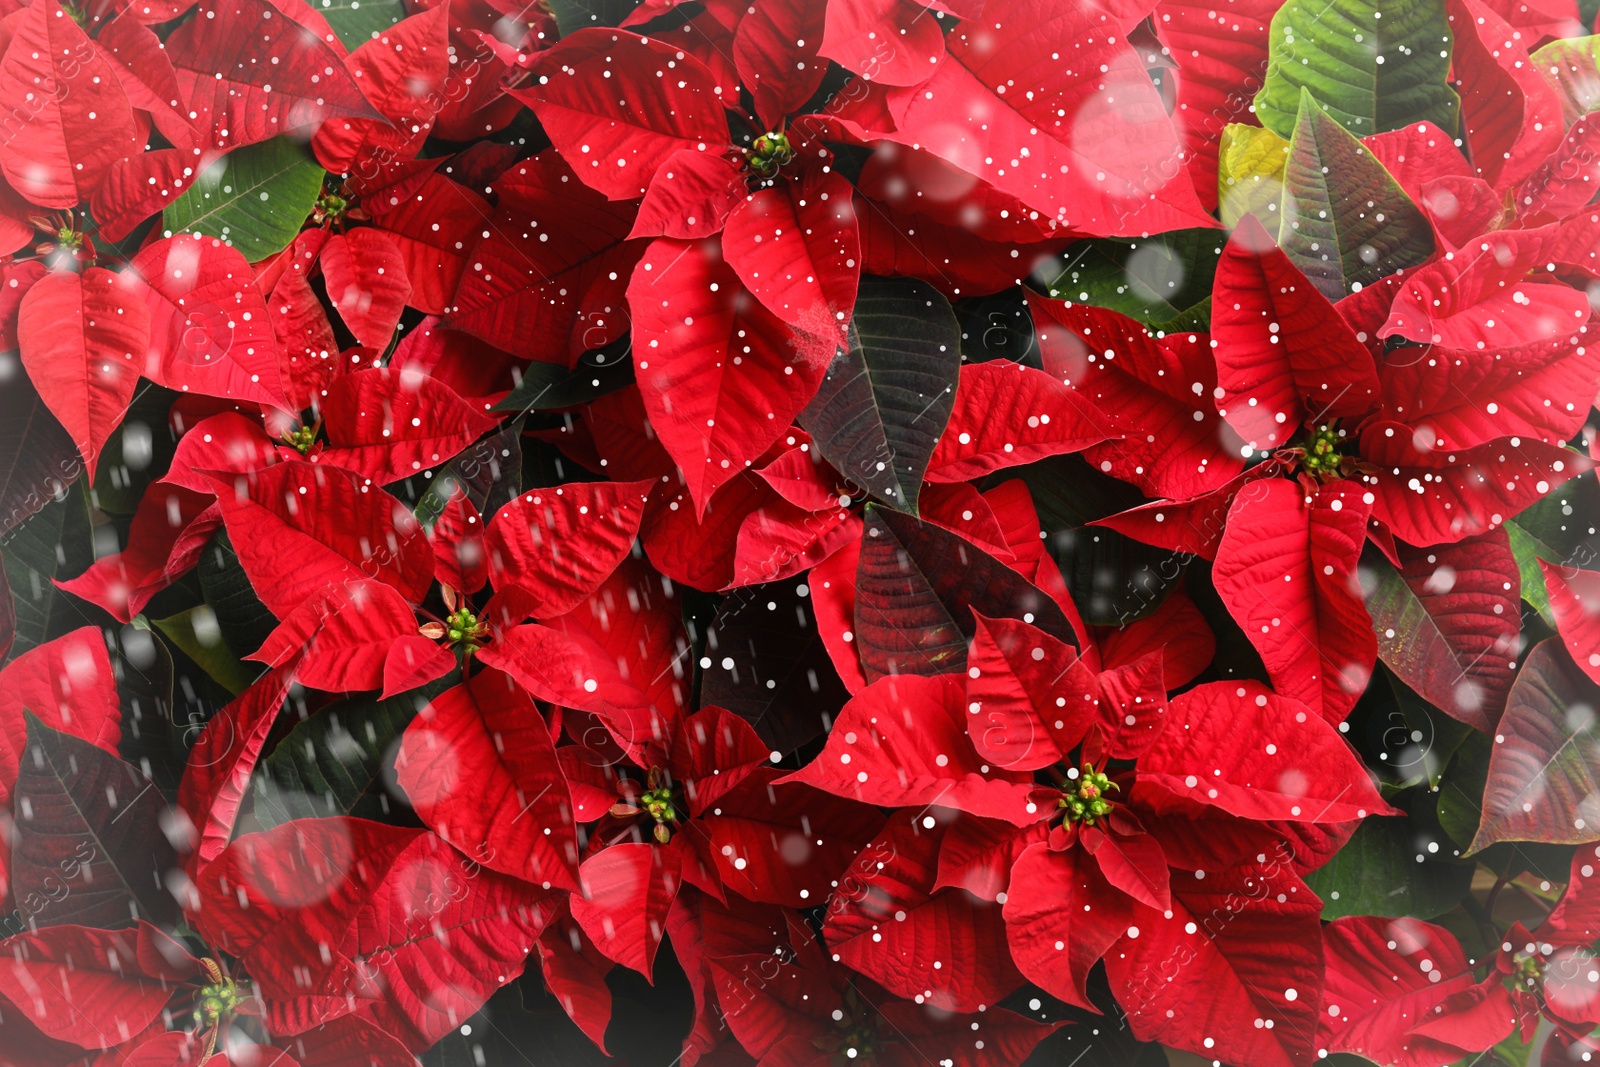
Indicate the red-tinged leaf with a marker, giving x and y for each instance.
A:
(366, 278)
(1477, 298)
(721, 376)
(548, 280)
(146, 75)
(892, 42)
(344, 1042)
(617, 139)
(917, 588)
(1006, 414)
(795, 248)
(572, 672)
(1284, 355)
(308, 351)
(1061, 917)
(780, 541)
(478, 765)
(88, 845)
(84, 985)
(558, 544)
(67, 135)
(1064, 115)
(1378, 991)
(250, 70)
(394, 917)
(1239, 747)
(389, 425)
(1248, 945)
(1447, 622)
(83, 338)
(574, 972)
(300, 528)
(1221, 53)
(169, 530)
(628, 889)
(1285, 570)
(433, 228)
(918, 941)
(210, 331)
(402, 71)
(1173, 443)
(413, 661)
(775, 49)
(224, 442)
(222, 760)
(690, 196)
(1575, 601)
(341, 636)
(1430, 497)
(902, 742)
(69, 684)
(1511, 115)
(1542, 771)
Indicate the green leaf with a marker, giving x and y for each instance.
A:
(1374, 64)
(1544, 773)
(1560, 528)
(550, 386)
(489, 472)
(358, 21)
(574, 15)
(1386, 869)
(1250, 166)
(887, 397)
(255, 198)
(1162, 281)
(1529, 550)
(1346, 222)
(37, 457)
(244, 621)
(331, 762)
(1572, 65)
(57, 542)
(198, 635)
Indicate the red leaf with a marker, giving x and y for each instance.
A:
(795, 248)
(558, 544)
(72, 120)
(690, 196)
(1061, 917)
(1284, 355)
(918, 941)
(902, 742)
(1430, 497)
(1258, 956)
(168, 533)
(222, 760)
(478, 765)
(300, 528)
(1173, 443)
(366, 279)
(574, 973)
(434, 227)
(618, 138)
(1378, 991)
(1286, 572)
(892, 42)
(1034, 699)
(1575, 602)
(721, 376)
(210, 331)
(1006, 414)
(1239, 747)
(1416, 154)
(548, 280)
(250, 70)
(309, 362)
(224, 442)
(146, 75)
(1511, 116)
(83, 985)
(69, 684)
(389, 425)
(775, 49)
(341, 635)
(83, 339)
(1062, 112)
(1447, 624)
(627, 890)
